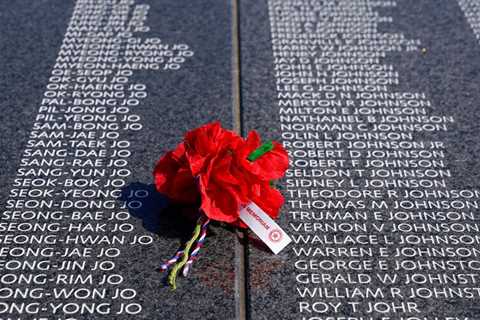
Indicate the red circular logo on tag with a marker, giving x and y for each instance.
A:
(275, 235)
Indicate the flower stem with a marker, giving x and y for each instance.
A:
(172, 277)
(260, 151)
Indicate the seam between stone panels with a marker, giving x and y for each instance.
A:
(240, 239)
(236, 96)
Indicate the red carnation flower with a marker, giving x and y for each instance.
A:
(269, 166)
(268, 199)
(173, 177)
(206, 142)
(216, 166)
(222, 189)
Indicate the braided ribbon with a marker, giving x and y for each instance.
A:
(171, 261)
(199, 235)
(200, 242)
(183, 258)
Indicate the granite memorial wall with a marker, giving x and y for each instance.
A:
(375, 100)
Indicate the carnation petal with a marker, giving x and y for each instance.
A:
(218, 202)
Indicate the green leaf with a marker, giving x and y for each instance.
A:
(260, 151)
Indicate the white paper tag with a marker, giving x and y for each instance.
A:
(264, 227)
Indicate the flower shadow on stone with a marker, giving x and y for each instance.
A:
(156, 212)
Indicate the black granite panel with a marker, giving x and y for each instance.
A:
(443, 65)
(176, 100)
